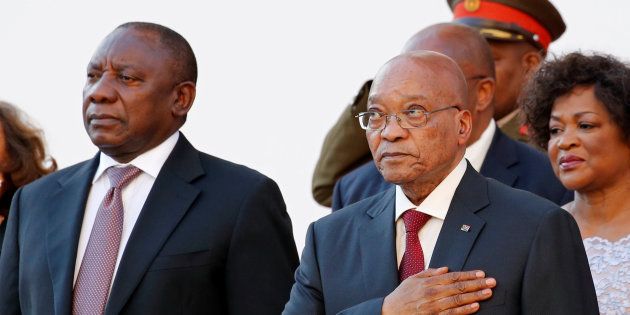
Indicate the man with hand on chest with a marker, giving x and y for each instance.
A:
(489, 248)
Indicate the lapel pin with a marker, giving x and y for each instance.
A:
(465, 227)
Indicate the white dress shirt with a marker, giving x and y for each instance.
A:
(133, 195)
(436, 205)
(476, 152)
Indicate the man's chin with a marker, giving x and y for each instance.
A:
(396, 178)
(105, 143)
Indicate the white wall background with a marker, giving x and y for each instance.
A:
(293, 64)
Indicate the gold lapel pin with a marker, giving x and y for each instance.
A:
(465, 227)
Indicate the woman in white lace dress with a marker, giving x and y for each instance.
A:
(578, 108)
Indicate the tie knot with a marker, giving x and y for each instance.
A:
(119, 177)
(414, 220)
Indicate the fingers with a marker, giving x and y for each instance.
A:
(458, 300)
(452, 277)
(431, 272)
(465, 309)
(436, 290)
(463, 292)
(469, 286)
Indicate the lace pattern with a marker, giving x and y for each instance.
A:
(610, 267)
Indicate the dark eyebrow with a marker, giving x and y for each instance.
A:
(584, 113)
(124, 66)
(117, 66)
(576, 115)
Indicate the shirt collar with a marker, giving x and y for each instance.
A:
(476, 152)
(436, 204)
(149, 162)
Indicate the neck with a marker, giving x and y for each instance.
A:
(479, 127)
(418, 189)
(125, 156)
(417, 193)
(604, 205)
(603, 212)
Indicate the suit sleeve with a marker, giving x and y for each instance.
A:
(369, 307)
(344, 149)
(9, 262)
(557, 277)
(262, 255)
(307, 293)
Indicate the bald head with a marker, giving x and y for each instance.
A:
(461, 43)
(424, 68)
(425, 91)
(472, 53)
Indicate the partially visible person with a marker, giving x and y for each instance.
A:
(23, 157)
(519, 33)
(149, 225)
(344, 149)
(444, 240)
(578, 107)
(489, 150)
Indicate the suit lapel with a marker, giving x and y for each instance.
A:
(378, 246)
(63, 230)
(500, 158)
(167, 203)
(454, 244)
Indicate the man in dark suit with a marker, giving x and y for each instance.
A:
(489, 150)
(178, 231)
(491, 249)
(519, 33)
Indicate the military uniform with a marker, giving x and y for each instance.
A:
(534, 21)
(345, 148)
(514, 127)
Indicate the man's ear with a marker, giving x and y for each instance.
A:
(184, 97)
(485, 94)
(465, 126)
(531, 60)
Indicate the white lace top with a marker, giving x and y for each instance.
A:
(610, 267)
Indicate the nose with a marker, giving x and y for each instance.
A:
(100, 91)
(392, 130)
(567, 139)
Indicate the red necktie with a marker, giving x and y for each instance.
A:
(413, 259)
(97, 267)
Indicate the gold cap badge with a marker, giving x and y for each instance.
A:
(472, 5)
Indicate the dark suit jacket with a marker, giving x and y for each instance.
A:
(213, 237)
(531, 246)
(3, 228)
(508, 161)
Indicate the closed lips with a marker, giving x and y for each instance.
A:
(100, 116)
(392, 154)
(569, 161)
